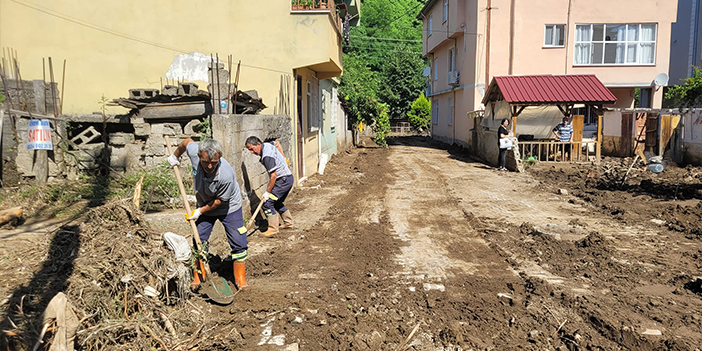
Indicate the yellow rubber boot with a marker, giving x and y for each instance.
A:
(287, 220)
(273, 224)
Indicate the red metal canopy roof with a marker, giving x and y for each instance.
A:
(549, 89)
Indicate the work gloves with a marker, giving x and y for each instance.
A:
(173, 160)
(268, 195)
(193, 216)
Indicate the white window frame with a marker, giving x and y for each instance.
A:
(450, 111)
(637, 44)
(435, 114)
(430, 24)
(446, 5)
(451, 60)
(554, 28)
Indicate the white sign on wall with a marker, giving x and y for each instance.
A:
(39, 135)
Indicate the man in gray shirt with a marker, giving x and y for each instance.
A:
(218, 198)
(279, 185)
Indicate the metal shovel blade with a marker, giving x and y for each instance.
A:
(218, 290)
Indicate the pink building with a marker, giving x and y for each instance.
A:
(625, 43)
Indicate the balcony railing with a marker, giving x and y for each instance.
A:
(319, 5)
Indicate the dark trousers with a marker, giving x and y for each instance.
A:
(234, 227)
(281, 188)
(502, 158)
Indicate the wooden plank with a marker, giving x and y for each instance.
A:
(174, 110)
(578, 124)
(626, 137)
(668, 125)
(652, 132)
(598, 148)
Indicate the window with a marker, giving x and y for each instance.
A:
(450, 111)
(450, 61)
(445, 10)
(436, 68)
(430, 24)
(615, 44)
(435, 111)
(334, 108)
(312, 104)
(554, 35)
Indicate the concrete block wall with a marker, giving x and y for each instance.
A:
(232, 131)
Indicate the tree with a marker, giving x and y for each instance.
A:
(402, 75)
(687, 95)
(420, 113)
(383, 64)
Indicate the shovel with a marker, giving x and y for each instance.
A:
(216, 288)
(253, 219)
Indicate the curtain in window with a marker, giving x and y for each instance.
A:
(557, 40)
(583, 51)
(648, 44)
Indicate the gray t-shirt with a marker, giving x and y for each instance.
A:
(273, 160)
(222, 185)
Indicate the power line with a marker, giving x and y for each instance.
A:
(386, 39)
(121, 35)
(403, 15)
(383, 49)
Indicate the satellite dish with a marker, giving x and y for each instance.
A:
(661, 80)
(427, 71)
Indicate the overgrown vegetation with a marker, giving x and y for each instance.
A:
(383, 64)
(70, 198)
(381, 127)
(420, 113)
(688, 95)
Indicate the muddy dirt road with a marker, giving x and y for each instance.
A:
(416, 247)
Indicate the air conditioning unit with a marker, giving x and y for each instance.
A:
(453, 78)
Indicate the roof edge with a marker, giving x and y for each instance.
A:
(426, 8)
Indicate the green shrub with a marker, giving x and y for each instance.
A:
(420, 114)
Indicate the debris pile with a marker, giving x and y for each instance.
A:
(126, 288)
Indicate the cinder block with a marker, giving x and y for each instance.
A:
(187, 89)
(166, 129)
(142, 129)
(86, 136)
(120, 139)
(88, 155)
(170, 90)
(189, 128)
(138, 94)
(118, 157)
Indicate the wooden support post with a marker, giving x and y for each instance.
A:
(598, 147)
(514, 126)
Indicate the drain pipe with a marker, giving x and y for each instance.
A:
(487, 45)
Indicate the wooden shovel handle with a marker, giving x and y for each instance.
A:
(253, 218)
(184, 196)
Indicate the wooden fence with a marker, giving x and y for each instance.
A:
(554, 151)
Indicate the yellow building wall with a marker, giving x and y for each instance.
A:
(113, 46)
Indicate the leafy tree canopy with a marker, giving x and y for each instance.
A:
(383, 62)
(687, 95)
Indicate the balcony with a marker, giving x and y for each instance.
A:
(329, 6)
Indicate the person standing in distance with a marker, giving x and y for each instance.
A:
(279, 185)
(218, 198)
(502, 133)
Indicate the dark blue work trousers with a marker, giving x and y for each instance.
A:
(281, 189)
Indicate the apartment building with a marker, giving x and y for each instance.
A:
(626, 44)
